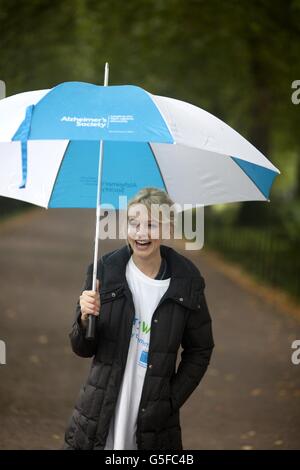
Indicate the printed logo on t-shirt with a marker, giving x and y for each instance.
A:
(140, 327)
(141, 333)
(143, 359)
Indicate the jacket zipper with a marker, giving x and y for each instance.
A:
(164, 297)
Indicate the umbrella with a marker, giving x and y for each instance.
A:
(52, 149)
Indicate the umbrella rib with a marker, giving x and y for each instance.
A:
(158, 167)
(58, 172)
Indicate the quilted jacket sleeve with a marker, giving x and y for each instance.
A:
(197, 344)
(80, 345)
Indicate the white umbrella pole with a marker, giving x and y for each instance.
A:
(90, 333)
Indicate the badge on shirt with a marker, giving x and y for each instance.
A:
(143, 359)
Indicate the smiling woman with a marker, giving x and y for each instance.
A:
(151, 302)
(150, 220)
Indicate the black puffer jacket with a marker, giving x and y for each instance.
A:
(181, 318)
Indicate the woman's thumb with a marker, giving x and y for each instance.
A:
(97, 285)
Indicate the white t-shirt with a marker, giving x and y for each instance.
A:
(146, 293)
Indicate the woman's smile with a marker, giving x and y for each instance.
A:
(142, 245)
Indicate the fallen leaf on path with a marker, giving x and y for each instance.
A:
(43, 339)
(256, 392)
(34, 359)
(279, 442)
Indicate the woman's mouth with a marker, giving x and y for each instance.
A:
(142, 244)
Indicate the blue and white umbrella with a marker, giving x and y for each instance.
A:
(51, 140)
(49, 149)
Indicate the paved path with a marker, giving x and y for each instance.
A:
(249, 398)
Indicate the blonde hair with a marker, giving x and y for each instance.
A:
(149, 196)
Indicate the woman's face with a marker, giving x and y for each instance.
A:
(144, 232)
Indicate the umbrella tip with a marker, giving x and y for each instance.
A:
(106, 73)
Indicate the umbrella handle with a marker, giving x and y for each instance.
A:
(91, 327)
(90, 331)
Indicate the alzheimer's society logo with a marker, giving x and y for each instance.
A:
(2, 353)
(98, 121)
(85, 122)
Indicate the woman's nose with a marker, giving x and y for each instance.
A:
(142, 230)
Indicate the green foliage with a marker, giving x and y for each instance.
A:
(270, 255)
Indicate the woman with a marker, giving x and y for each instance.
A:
(133, 394)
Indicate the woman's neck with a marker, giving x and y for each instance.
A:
(151, 266)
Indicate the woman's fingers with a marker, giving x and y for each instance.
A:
(90, 305)
(89, 293)
(87, 309)
(90, 312)
(90, 301)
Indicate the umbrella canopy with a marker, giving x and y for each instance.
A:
(52, 149)
(49, 149)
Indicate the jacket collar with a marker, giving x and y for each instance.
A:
(185, 277)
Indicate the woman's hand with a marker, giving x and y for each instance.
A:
(90, 303)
